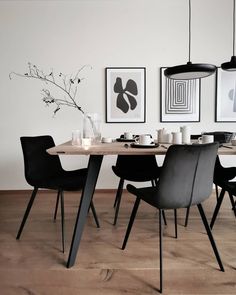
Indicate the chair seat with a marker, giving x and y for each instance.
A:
(66, 180)
(150, 196)
(230, 186)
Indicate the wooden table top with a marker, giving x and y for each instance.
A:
(118, 148)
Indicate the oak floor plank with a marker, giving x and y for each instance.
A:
(36, 265)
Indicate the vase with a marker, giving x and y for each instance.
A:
(91, 127)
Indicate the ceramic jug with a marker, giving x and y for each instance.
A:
(161, 135)
(186, 134)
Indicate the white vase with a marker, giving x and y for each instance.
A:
(91, 127)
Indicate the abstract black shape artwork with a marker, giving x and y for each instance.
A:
(125, 95)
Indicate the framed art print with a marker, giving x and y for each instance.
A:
(180, 99)
(125, 95)
(225, 96)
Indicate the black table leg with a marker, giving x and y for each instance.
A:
(94, 165)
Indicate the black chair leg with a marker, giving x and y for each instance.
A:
(217, 208)
(154, 183)
(117, 193)
(160, 249)
(176, 228)
(55, 212)
(232, 203)
(62, 221)
(131, 221)
(210, 236)
(27, 211)
(217, 192)
(164, 217)
(118, 199)
(94, 214)
(186, 217)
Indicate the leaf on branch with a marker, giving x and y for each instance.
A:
(56, 110)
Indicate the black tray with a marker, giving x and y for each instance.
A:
(144, 146)
(124, 140)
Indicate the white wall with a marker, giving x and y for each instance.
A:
(65, 35)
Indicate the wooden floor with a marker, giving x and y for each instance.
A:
(35, 264)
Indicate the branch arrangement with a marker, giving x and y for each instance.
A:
(68, 85)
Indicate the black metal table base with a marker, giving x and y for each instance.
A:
(94, 166)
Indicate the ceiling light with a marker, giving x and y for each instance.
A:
(231, 65)
(190, 70)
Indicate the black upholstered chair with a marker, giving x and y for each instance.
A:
(134, 168)
(222, 177)
(45, 171)
(186, 179)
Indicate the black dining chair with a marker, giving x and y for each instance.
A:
(221, 137)
(222, 177)
(134, 168)
(44, 171)
(186, 180)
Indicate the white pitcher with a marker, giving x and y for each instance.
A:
(186, 134)
(161, 135)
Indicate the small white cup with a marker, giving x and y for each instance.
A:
(144, 139)
(177, 137)
(233, 141)
(76, 137)
(128, 135)
(206, 138)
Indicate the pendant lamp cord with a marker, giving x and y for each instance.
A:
(234, 28)
(189, 30)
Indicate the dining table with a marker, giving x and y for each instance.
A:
(96, 152)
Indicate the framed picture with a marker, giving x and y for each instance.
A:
(125, 95)
(180, 100)
(225, 110)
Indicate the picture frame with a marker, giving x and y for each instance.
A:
(225, 100)
(179, 99)
(125, 94)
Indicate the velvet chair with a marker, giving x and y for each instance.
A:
(222, 177)
(134, 168)
(44, 171)
(186, 180)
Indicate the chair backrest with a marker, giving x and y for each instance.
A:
(137, 167)
(38, 163)
(223, 174)
(187, 175)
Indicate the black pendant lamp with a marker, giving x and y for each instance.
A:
(190, 70)
(231, 65)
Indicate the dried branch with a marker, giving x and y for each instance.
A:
(67, 85)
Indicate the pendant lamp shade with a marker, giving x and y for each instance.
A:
(190, 70)
(231, 65)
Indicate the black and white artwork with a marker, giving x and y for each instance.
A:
(180, 99)
(225, 96)
(125, 95)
